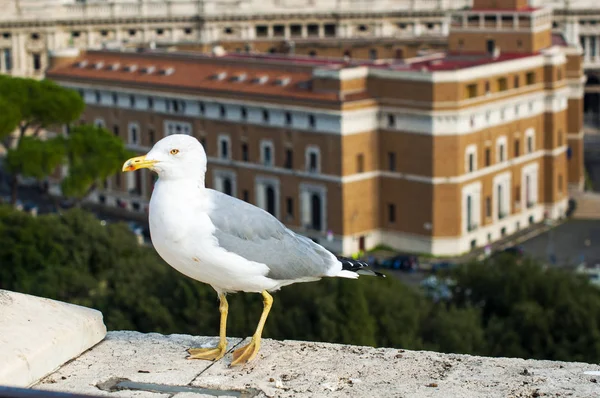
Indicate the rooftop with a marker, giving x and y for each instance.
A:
(129, 364)
(251, 73)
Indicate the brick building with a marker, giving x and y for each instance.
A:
(434, 154)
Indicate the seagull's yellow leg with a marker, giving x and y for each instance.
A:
(248, 352)
(214, 354)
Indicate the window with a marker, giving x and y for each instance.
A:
(134, 133)
(150, 103)
(37, 62)
(116, 130)
(330, 30)
(222, 112)
(391, 121)
(99, 122)
(289, 207)
(517, 148)
(488, 157)
(266, 149)
(262, 31)
(312, 159)
(487, 87)
(392, 161)
(472, 91)
(502, 84)
(530, 140)
(246, 195)
(288, 119)
(244, 113)
(311, 121)
(392, 213)
(373, 54)
(501, 149)
(224, 147)
(530, 78)
(296, 30)
(488, 207)
(289, 159)
(265, 116)
(516, 82)
(115, 99)
(245, 152)
(471, 158)
(360, 163)
(201, 107)
(132, 101)
(7, 55)
(98, 96)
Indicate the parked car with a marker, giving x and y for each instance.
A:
(442, 265)
(404, 262)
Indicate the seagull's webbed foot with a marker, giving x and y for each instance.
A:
(246, 353)
(208, 354)
(214, 354)
(249, 352)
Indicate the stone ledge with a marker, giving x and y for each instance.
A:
(301, 369)
(37, 335)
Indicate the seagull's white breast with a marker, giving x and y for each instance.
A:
(182, 234)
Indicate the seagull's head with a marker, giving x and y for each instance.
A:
(176, 156)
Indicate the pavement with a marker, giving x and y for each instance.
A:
(132, 364)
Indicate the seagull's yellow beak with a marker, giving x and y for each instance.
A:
(139, 162)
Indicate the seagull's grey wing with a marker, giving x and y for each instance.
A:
(256, 235)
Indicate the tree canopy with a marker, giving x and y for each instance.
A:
(93, 155)
(28, 106)
(498, 308)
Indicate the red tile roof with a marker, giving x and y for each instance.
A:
(192, 73)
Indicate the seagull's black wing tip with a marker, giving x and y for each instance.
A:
(358, 266)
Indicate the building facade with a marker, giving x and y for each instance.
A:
(30, 29)
(435, 154)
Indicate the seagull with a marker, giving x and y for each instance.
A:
(225, 242)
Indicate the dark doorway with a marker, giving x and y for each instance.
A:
(227, 186)
(270, 193)
(491, 46)
(315, 211)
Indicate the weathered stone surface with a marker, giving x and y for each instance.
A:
(37, 335)
(299, 369)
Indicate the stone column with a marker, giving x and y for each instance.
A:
(586, 49)
(417, 28)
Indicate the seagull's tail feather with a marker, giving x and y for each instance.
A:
(351, 266)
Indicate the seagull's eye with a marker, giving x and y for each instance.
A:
(174, 151)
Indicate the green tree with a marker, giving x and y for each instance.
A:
(93, 155)
(530, 311)
(36, 105)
